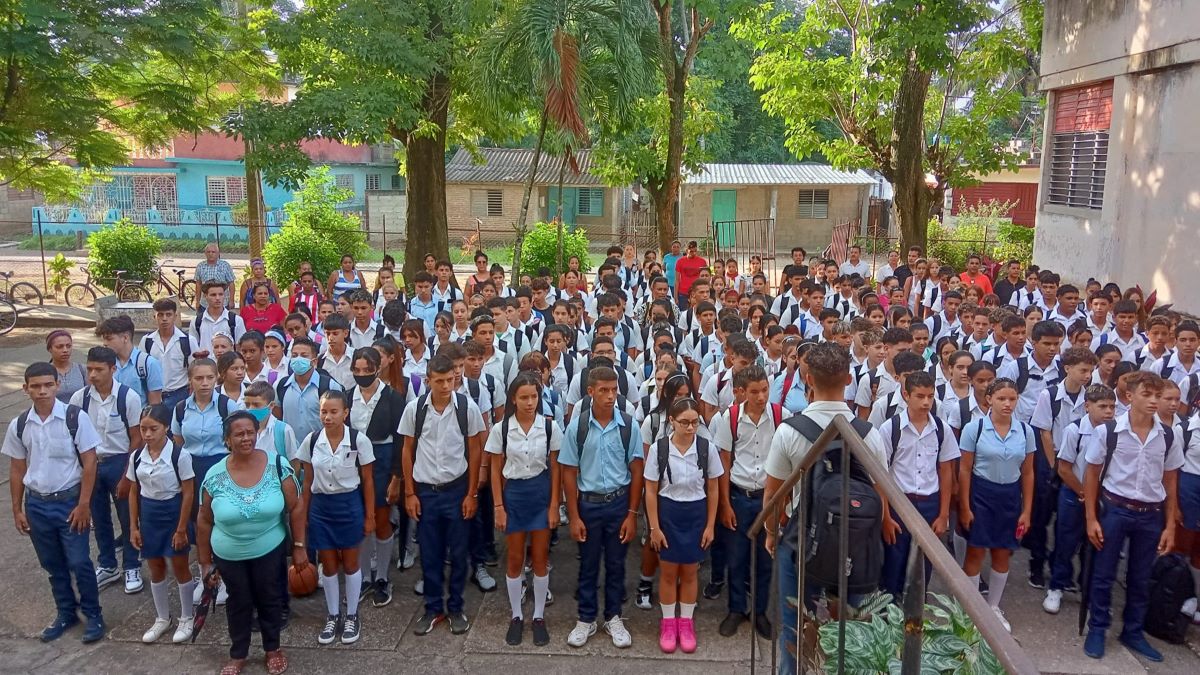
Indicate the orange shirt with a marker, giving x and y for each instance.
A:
(981, 281)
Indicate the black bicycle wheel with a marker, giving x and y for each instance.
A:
(187, 293)
(8, 316)
(80, 295)
(135, 293)
(25, 293)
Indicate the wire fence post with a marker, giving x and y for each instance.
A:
(383, 228)
(217, 228)
(42, 248)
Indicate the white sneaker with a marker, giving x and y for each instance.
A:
(419, 587)
(183, 631)
(580, 633)
(222, 593)
(562, 514)
(1003, 621)
(156, 631)
(1053, 601)
(133, 581)
(320, 576)
(616, 628)
(106, 576)
(198, 592)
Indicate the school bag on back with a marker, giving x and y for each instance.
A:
(1170, 586)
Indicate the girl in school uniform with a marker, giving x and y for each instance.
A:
(391, 361)
(915, 286)
(995, 487)
(275, 356)
(160, 503)
(375, 410)
(222, 344)
(416, 358)
(443, 323)
(1109, 356)
(940, 367)
(525, 468)
(231, 373)
(681, 504)
(339, 494)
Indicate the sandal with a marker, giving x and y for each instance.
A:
(277, 663)
(234, 667)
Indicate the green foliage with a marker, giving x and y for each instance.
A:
(295, 243)
(1014, 242)
(951, 246)
(982, 228)
(315, 207)
(60, 271)
(541, 248)
(122, 246)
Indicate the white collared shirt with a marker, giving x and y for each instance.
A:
(1192, 451)
(944, 327)
(415, 366)
(489, 399)
(1075, 440)
(106, 418)
(915, 459)
(170, 356)
(1176, 371)
(687, 482)
(360, 338)
(1128, 347)
(335, 471)
(951, 413)
(1070, 409)
(526, 453)
(1136, 470)
(748, 469)
(210, 326)
(441, 454)
(1022, 298)
(265, 440)
(52, 460)
(718, 391)
(887, 384)
(558, 372)
(1039, 379)
(362, 410)
(879, 409)
(339, 369)
(155, 475)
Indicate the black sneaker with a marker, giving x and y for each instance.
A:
(541, 636)
(350, 629)
(1037, 580)
(731, 623)
(490, 558)
(983, 588)
(329, 632)
(459, 623)
(713, 589)
(515, 628)
(381, 593)
(427, 623)
(762, 626)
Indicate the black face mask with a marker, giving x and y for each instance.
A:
(364, 380)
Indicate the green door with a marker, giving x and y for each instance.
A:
(724, 212)
(570, 200)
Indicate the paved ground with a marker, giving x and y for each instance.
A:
(387, 641)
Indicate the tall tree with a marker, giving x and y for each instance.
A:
(910, 84)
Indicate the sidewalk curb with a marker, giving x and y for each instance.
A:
(33, 321)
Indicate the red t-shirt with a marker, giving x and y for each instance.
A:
(265, 320)
(981, 281)
(687, 271)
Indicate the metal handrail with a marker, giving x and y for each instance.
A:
(1007, 650)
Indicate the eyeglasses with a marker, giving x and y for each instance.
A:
(688, 424)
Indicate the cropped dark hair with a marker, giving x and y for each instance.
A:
(907, 362)
(917, 379)
(102, 355)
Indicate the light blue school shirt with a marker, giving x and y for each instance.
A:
(301, 404)
(202, 432)
(425, 311)
(127, 374)
(795, 400)
(997, 459)
(603, 464)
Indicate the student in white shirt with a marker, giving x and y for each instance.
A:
(790, 305)
(160, 506)
(417, 352)
(886, 406)
(946, 322)
(215, 318)
(339, 491)
(274, 435)
(1011, 344)
(1125, 334)
(882, 381)
(363, 330)
(231, 376)
(1037, 371)
(172, 347)
(1182, 367)
(525, 470)
(1029, 295)
(958, 412)
(717, 393)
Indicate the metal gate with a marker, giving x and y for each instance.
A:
(739, 240)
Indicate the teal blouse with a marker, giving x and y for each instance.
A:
(247, 522)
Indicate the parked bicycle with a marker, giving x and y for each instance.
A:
(182, 289)
(8, 316)
(20, 293)
(84, 294)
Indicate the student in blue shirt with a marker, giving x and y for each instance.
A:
(791, 379)
(602, 479)
(995, 487)
(135, 369)
(423, 305)
(196, 422)
(299, 393)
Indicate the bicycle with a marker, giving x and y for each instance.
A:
(8, 316)
(20, 293)
(182, 289)
(84, 294)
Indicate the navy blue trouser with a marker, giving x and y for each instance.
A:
(895, 556)
(483, 527)
(1045, 499)
(109, 472)
(1142, 531)
(603, 523)
(1069, 531)
(63, 553)
(745, 510)
(172, 398)
(443, 535)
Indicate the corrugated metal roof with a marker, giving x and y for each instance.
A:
(511, 165)
(776, 174)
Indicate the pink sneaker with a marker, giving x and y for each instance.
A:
(668, 635)
(687, 635)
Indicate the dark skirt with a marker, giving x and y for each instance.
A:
(1189, 500)
(527, 503)
(381, 471)
(682, 524)
(335, 522)
(996, 508)
(157, 519)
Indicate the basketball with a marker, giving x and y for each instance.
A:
(302, 582)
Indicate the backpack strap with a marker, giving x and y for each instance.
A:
(231, 318)
(734, 411)
(702, 456)
(180, 408)
(421, 412)
(122, 404)
(1022, 373)
(141, 364)
(894, 437)
(474, 390)
(460, 411)
(185, 347)
(1055, 404)
(964, 410)
(662, 451)
(1166, 367)
(137, 462)
(1110, 447)
(1168, 436)
(280, 437)
(73, 412)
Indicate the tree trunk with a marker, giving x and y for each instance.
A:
(908, 142)
(425, 169)
(666, 198)
(515, 278)
(558, 217)
(255, 228)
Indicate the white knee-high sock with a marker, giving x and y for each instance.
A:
(541, 587)
(960, 549)
(366, 549)
(668, 611)
(162, 599)
(687, 610)
(974, 579)
(514, 587)
(187, 610)
(383, 556)
(333, 599)
(996, 582)
(353, 590)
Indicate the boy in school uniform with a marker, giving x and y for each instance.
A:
(977, 340)
(718, 392)
(274, 435)
(1159, 332)
(703, 340)
(946, 322)
(135, 369)
(363, 331)
(422, 305)
(51, 448)
(886, 406)
(1124, 335)
(1029, 294)
(500, 364)
(336, 357)
(1067, 312)
(115, 412)
(438, 478)
(486, 389)
(508, 339)
(1133, 466)
(808, 321)
(883, 380)
(1048, 284)
(299, 393)
(601, 463)
(172, 347)
(788, 306)
(215, 318)
(1011, 344)
(445, 293)
(1182, 367)
(1099, 318)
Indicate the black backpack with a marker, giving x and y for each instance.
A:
(72, 415)
(823, 565)
(1170, 586)
(663, 449)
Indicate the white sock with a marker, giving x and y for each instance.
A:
(686, 610)
(365, 550)
(514, 587)
(996, 582)
(185, 598)
(974, 579)
(645, 579)
(353, 590)
(541, 587)
(383, 556)
(333, 601)
(1195, 578)
(960, 549)
(162, 601)
(668, 611)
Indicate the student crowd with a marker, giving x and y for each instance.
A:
(659, 404)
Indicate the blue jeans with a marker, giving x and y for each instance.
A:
(109, 472)
(1142, 531)
(442, 534)
(895, 556)
(1045, 499)
(745, 510)
(62, 553)
(483, 527)
(172, 398)
(603, 523)
(1068, 534)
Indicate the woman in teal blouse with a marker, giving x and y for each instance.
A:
(244, 500)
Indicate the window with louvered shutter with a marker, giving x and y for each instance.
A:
(495, 202)
(813, 204)
(372, 181)
(487, 203)
(590, 202)
(1078, 152)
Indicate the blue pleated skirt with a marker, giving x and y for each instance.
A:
(158, 519)
(996, 508)
(335, 522)
(682, 524)
(381, 471)
(527, 503)
(1189, 500)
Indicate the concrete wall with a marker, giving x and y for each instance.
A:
(16, 209)
(754, 201)
(386, 211)
(458, 209)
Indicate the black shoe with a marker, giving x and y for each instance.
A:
(541, 636)
(427, 623)
(490, 558)
(381, 593)
(554, 537)
(762, 626)
(713, 589)
(515, 628)
(94, 630)
(731, 623)
(1037, 580)
(60, 625)
(459, 624)
(983, 588)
